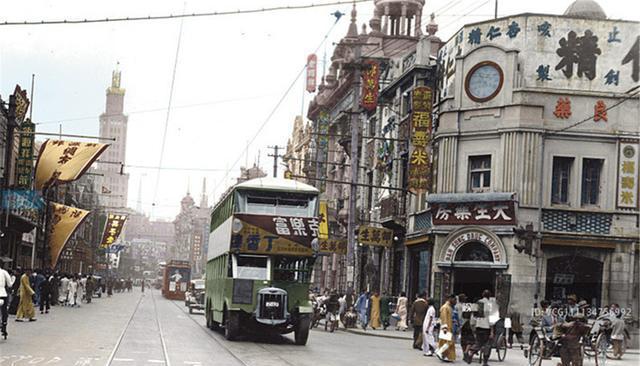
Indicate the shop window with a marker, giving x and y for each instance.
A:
(591, 170)
(560, 180)
(479, 173)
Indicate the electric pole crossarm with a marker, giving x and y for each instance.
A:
(344, 182)
(363, 137)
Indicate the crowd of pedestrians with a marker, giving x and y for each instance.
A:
(24, 292)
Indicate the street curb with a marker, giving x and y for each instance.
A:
(364, 333)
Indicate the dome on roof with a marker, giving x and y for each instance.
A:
(587, 9)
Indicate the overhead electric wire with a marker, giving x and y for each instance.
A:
(177, 16)
(166, 122)
(464, 15)
(160, 109)
(273, 111)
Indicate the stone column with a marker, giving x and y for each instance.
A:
(403, 19)
(418, 22)
(385, 27)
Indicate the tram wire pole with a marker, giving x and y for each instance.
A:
(275, 156)
(352, 277)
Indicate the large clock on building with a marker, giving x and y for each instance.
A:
(483, 81)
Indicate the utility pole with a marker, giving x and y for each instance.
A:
(275, 156)
(352, 279)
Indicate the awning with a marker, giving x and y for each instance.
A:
(471, 197)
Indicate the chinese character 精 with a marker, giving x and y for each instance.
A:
(474, 36)
(633, 56)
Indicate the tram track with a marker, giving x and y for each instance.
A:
(116, 348)
(210, 334)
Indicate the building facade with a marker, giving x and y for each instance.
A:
(113, 124)
(537, 129)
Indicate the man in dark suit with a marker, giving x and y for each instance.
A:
(416, 315)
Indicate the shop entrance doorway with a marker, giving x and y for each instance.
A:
(575, 275)
(472, 281)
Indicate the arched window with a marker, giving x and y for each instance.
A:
(474, 252)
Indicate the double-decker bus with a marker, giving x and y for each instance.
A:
(262, 247)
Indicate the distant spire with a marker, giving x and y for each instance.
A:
(188, 186)
(353, 27)
(204, 200)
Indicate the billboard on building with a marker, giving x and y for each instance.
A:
(65, 220)
(312, 71)
(370, 84)
(112, 229)
(419, 156)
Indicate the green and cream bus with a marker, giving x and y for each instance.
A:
(262, 247)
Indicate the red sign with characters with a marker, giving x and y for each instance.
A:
(312, 71)
(370, 84)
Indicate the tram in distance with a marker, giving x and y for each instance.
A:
(262, 246)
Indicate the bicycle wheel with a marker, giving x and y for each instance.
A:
(501, 348)
(623, 349)
(535, 351)
(600, 348)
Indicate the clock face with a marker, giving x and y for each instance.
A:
(484, 81)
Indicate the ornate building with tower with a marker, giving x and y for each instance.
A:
(114, 184)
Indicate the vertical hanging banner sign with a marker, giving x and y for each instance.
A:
(112, 229)
(312, 72)
(370, 84)
(419, 157)
(322, 127)
(628, 175)
(22, 104)
(24, 166)
(65, 161)
(65, 221)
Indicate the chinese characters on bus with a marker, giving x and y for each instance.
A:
(419, 157)
(628, 176)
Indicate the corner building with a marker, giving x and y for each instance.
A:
(538, 125)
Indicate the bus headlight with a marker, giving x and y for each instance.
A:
(236, 226)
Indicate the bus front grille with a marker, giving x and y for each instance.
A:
(272, 304)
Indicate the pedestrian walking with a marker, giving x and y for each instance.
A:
(64, 290)
(572, 331)
(14, 296)
(466, 332)
(385, 303)
(90, 287)
(5, 282)
(363, 307)
(25, 308)
(484, 331)
(416, 314)
(401, 310)
(82, 288)
(55, 288)
(110, 287)
(446, 344)
(617, 330)
(45, 296)
(428, 327)
(375, 310)
(73, 291)
(516, 325)
(142, 285)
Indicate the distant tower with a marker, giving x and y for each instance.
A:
(113, 124)
(204, 200)
(400, 17)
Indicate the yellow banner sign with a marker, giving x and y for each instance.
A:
(65, 161)
(64, 222)
(371, 235)
(324, 221)
(112, 229)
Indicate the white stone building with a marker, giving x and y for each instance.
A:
(538, 124)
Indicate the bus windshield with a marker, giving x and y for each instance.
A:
(251, 267)
(276, 203)
(292, 269)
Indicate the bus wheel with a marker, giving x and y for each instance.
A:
(302, 330)
(209, 316)
(231, 325)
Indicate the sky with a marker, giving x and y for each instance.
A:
(231, 72)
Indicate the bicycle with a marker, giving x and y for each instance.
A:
(598, 342)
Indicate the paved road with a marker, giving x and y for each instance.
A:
(131, 329)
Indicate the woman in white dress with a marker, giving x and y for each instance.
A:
(401, 309)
